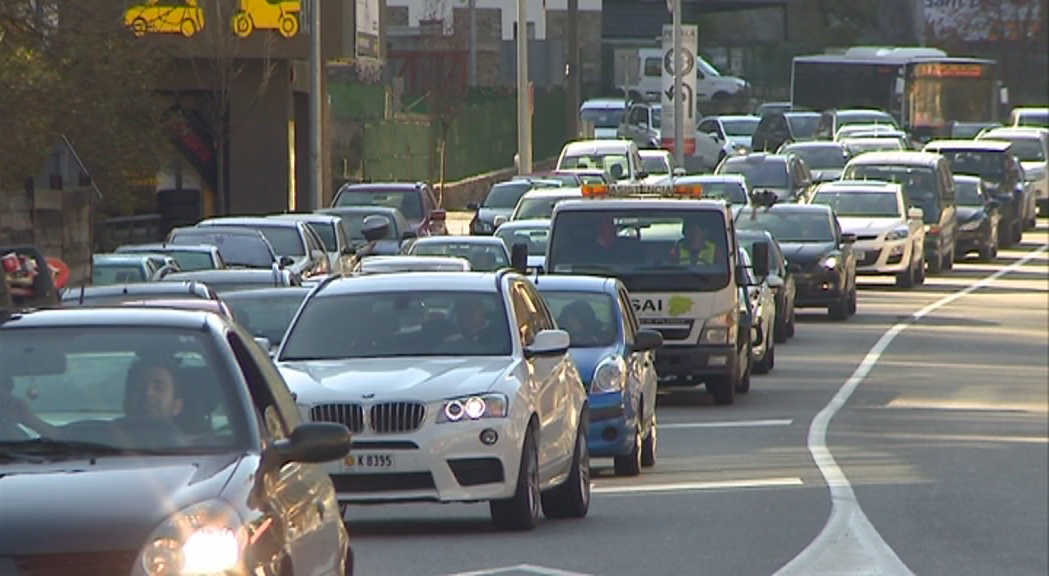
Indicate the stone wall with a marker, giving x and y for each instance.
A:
(58, 221)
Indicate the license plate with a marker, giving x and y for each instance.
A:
(365, 462)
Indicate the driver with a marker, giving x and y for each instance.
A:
(152, 400)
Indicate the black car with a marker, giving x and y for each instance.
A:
(152, 441)
(136, 292)
(239, 247)
(825, 159)
(819, 255)
(778, 128)
(978, 219)
(785, 174)
(780, 279)
(266, 312)
(238, 278)
(500, 202)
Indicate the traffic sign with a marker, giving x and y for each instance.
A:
(689, 46)
(688, 61)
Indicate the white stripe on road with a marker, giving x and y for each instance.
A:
(732, 424)
(693, 486)
(848, 543)
(526, 568)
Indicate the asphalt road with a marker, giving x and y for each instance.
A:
(912, 438)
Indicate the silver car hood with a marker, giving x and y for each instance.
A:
(423, 379)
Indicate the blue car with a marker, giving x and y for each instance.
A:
(616, 361)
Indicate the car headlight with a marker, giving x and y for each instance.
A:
(473, 408)
(742, 150)
(970, 225)
(206, 538)
(898, 234)
(829, 262)
(720, 329)
(481, 226)
(609, 376)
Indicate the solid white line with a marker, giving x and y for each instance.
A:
(528, 568)
(691, 486)
(733, 424)
(848, 542)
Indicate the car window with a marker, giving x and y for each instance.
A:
(129, 387)
(482, 257)
(525, 314)
(589, 318)
(789, 226)
(819, 157)
(768, 174)
(236, 250)
(655, 164)
(265, 314)
(505, 195)
(105, 274)
(534, 238)
(409, 202)
(860, 204)
(653, 66)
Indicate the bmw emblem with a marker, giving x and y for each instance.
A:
(368, 395)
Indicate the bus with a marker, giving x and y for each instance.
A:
(923, 88)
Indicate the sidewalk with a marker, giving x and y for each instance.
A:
(458, 222)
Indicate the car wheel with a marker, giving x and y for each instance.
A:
(948, 260)
(764, 366)
(630, 464)
(935, 266)
(572, 499)
(648, 448)
(521, 511)
(743, 386)
(920, 278)
(906, 278)
(851, 305)
(790, 324)
(840, 309)
(779, 331)
(723, 388)
(1018, 233)
(347, 565)
(985, 254)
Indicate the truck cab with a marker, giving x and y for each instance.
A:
(677, 255)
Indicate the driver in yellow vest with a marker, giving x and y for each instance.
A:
(694, 248)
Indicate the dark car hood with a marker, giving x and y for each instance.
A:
(804, 253)
(110, 505)
(967, 213)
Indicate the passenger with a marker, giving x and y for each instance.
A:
(694, 248)
(579, 320)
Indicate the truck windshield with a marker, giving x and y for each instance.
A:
(659, 249)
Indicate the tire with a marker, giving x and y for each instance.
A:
(1018, 234)
(521, 511)
(630, 464)
(723, 388)
(986, 252)
(779, 331)
(906, 278)
(790, 324)
(743, 386)
(851, 305)
(188, 28)
(650, 445)
(1005, 234)
(839, 310)
(948, 260)
(767, 362)
(921, 271)
(139, 27)
(572, 499)
(242, 24)
(935, 266)
(289, 25)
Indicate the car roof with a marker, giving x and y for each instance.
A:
(711, 178)
(118, 315)
(173, 288)
(792, 209)
(652, 152)
(230, 274)
(163, 247)
(607, 103)
(265, 292)
(370, 209)
(371, 186)
(866, 185)
(799, 113)
(566, 192)
(531, 223)
(859, 112)
(1015, 132)
(223, 230)
(123, 256)
(597, 146)
(406, 281)
(732, 117)
(576, 283)
(816, 144)
(453, 239)
(977, 145)
(898, 157)
(397, 264)
(757, 157)
(247, 222)
(308, 217)
(967, 178)
(621, 204)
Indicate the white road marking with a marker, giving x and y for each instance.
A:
(849, 543)
(693, 486)
(731, 424)
(526, 568)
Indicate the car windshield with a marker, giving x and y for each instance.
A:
(968, 192)
(602, 117)
(190, 261)
(399, 323)
(534, 238)
(285, 240)
(731, 192)
(506, 194)
(789, 226)
(537, 207)
(409, 202)
(880, 118)
(615, 164)
(237, 250)
(265, 314)
(117, 389)
(861, 204)
(819, 157)
(656, 164)
(803, 126)
(1025, 149)
(589, 318)
(857, 146)
(772, 174)
(740, 126)
(919, 184)
(483, 258)
(106, 273)
(985, 164)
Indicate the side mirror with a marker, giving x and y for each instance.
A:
(647, 340)
(439, 215)
(774, 281)
(499, 220)
(519, 258)
(915, 213)
(848, 238)
(313, 442)
(375, 227)
(473, 206)
(642, 174)
(548, 343)
(265, 344)
(679, 172)
(760, 250)
(286, 261)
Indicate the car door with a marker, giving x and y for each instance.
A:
(802, 178)
(317, 254)
(298, 497)
(641, 372)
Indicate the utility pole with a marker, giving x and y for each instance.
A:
(524, 120)
(316, 64)
(572, 77)
(679, 100)
(473, 43)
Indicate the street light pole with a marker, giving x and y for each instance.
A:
(316, 65)
(524, 120)
(679, 100)
(572, 78)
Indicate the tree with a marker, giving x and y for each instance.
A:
(68, 70)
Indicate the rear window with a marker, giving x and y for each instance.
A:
(409, 202)
(589, 318)
(767, 174)
(919, 184)
(506, 195)
(116, 273)
(236, 250)
(987, 165)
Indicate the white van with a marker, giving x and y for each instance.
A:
(710, 83)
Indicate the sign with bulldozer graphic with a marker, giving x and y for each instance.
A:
(186, 17)
(153, 17)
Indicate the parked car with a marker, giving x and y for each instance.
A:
(780, 279)
(500, 202)
(979, 215)
(293, 239)
(1031, 147)
(819, 253)
(825, 160)
(450, 381)
(533, 234)
(786, 175)
(778, 128)
(237, 279)
(331, 231)
(107, 269)
(189, 257)
(239, 247)
(266, 312)
(616, 361)
(485, 253)
(157, 438)
(416, 201)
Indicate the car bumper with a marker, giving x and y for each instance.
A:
(817, 289)
(972, 240)
(440, 462)
(873, 258)
(696, 360)
(612, 425)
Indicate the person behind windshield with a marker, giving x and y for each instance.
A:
(152, 400)
(579, 320)
(694, 248)
(474, 325)
(14, 411)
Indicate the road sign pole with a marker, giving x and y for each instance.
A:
(524, 120)
(679, 111)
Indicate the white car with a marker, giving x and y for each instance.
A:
(762, 301)
(485, 253)
(332, 232)
(534, 234)
(619, 158)
(395, 264)
(457, 387)
(1031, 147)
(889, 235)
(539, 203)
(659, 165)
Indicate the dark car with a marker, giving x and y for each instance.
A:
(238, 279)
(189, 257)
(978, 219)
(416, 201)
(119, 294)
(266, 312)
(151, 438)
(819, 255)
(994, 163)
(785, 174)
(780, 279)
(290, 238)
(400, 230)
(239, 247)
(778, 128)
(500, 202)
(825, 159)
